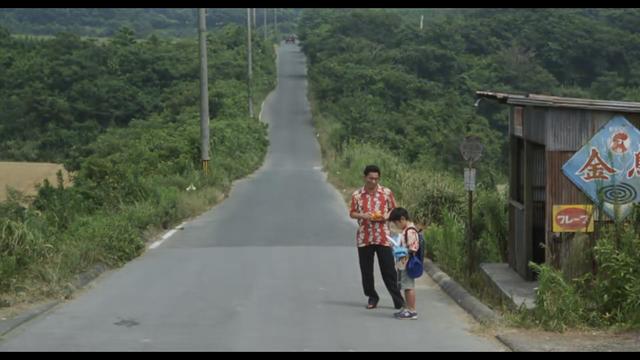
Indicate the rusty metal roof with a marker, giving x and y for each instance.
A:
(557, 101)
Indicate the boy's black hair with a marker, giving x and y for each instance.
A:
(371, 168)
(398, 213)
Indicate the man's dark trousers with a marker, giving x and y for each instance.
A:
(387, 268)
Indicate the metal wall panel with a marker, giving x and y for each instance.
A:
(568, 129)
(520, 248)
(511, 238)
(538, 173)
(560, 191)
(516, 121)
(535, 119)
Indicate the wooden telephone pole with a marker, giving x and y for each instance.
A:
(249, 60)
(204, 90)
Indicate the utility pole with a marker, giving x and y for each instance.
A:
(204, 90)
(254, 18)
(471, 247)
(265, 23)
(250, 74)
(275, 28)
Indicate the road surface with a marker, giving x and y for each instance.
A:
(273, 267)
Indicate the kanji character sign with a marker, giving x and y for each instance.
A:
(607, 168)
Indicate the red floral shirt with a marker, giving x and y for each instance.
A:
(372, 232)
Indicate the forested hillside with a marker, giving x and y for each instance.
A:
(386, 82)
(57, 95)
(106, 22)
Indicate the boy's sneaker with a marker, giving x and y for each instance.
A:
(407, 315)
(395, 315)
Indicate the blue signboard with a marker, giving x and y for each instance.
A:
(607, 168)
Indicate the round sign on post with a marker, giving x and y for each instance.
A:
(471, 148)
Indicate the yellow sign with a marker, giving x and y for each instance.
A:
(573, 218)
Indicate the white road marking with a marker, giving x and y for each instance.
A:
(165, 237)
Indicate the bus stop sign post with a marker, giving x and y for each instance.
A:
(471, 150)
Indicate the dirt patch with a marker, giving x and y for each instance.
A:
(570, 341)
(24, 176)
(17, 309)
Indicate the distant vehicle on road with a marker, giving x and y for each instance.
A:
(291, 39)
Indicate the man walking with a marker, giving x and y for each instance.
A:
(371, 206)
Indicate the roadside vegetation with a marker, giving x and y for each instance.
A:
(123, 116)
(608, 298)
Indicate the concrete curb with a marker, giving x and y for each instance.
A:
(468, 302)
(7, 325)
(87, 277)
(81, 281)
(517, 346)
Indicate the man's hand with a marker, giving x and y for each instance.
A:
(361, 216)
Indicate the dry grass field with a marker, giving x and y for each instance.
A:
(24, 176)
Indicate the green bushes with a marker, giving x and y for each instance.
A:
(615, 287)
(131, 181)
(558, 303)
(21, 245)
(446, 244)
(430, 195)
(490, 223)
(104, 238)
(608, 297)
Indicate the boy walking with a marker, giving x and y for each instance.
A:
(399, 217)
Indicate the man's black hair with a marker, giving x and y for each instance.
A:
(370, 169)
(398, 213)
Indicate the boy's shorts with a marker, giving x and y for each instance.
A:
(405, 281)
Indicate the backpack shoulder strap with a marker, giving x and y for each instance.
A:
(411, 228)
(405, 233)
(393, 241)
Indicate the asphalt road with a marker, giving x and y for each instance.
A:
(273, 267)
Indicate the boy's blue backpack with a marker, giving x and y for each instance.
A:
(415, 268)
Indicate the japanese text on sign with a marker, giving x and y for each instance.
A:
(607, 168)
(572, 218)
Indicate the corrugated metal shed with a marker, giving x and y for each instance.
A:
(544, 133)
(568, 129)
(557, 101)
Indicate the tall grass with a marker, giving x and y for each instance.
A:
(447, 244)
(20, 247)
(426, 194)
(610, 297)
